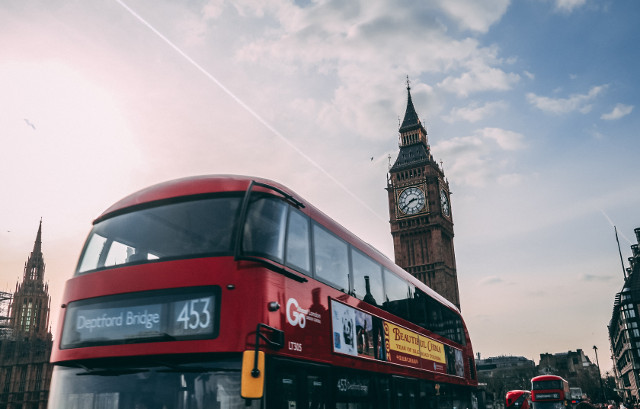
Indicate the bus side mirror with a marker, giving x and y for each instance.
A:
(252, 386)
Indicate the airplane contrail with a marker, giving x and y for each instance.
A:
(613, 225)
(248, 108)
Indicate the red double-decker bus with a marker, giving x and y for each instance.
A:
(517, 399)
(233, 292)
(549, 392)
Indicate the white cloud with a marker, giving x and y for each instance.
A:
(599, 278)
(475, 112)
(481, 158)
(575, 102)
(569, 5)
(510, 180)
(340, 43)
(475, 15)
(481, 79)
(506, 140)
(597, 134)
(618, 112)
(491, 280)
(212, 9)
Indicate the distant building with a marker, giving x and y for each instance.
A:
(504, 373)
(576, 368)
(26, 341)
(569, 365)
(493, 366)
(624, 331)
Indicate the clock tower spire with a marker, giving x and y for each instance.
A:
(419, 210)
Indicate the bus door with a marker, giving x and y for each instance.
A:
(405, 392)
(353, 389)
(293, 385)
(427, 395)
(446, 396)
(382, 395)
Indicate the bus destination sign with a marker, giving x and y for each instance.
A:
(141, 317)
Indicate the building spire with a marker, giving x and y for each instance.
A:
(37, 246)
(29, 310)
(34, 267)
(411, 130)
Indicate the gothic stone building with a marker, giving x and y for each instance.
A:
(624, 330)
(576, 368)
(420, 210)
(25, 371)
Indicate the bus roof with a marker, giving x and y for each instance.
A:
(205, 184)
(547, 378)
(194, 185)
(512, 396)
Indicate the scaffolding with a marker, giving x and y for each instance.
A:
(5, 304)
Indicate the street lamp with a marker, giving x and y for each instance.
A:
(595, 349)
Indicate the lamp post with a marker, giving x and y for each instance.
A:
(604, 396)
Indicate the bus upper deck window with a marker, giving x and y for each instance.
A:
(298, 246)
(264, 230)
(367, 279)
(92, 252)
(192, 228)
(331, 256)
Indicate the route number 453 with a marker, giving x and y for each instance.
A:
(195, 314)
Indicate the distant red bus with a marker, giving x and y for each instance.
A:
(517, 399)
(232, 292)
(549, 392)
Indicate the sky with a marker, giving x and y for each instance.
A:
(531, 105)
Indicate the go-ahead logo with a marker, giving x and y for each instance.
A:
(295, 314)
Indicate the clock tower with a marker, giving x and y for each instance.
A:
(420, 210)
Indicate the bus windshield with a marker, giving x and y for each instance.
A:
(548, 405)
(187, 386)
(175, 230)
(544, 385)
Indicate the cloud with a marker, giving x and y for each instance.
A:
(507, 140)
(569, 5)
(475, 15)
(482, 157)
(491, 280)
(598, 278)
(483, 78)
(341, 42)
(575, 102)
(475, 112)
(212, 9)
(596, 133)
(618, 112)
(509, 180)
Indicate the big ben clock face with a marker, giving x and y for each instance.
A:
(411, 200)
(444, 203)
